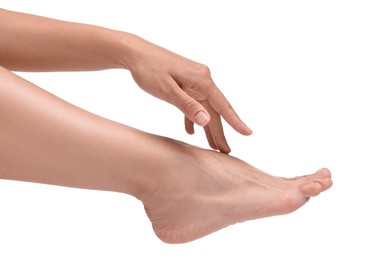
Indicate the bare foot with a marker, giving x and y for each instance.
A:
(206, 191)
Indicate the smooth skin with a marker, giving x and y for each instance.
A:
(188, 192)
(64, 46)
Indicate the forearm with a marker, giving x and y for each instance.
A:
(47, 140)
(34, 43)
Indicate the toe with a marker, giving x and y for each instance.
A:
(311, 189)
(326, 183)
(321, 173)
(324, 172)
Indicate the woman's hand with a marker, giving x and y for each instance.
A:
(187, 85)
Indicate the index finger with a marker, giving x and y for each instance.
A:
(220, 104)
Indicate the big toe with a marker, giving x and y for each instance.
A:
(311, 189)
(314, 188)
(324, 172)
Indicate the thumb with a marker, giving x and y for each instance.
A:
(191, 108)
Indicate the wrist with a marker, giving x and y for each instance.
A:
(125, 49)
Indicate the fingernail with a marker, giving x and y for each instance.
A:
(201, 118)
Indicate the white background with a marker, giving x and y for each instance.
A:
(311, 78)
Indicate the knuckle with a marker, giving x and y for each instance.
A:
(224, 109)
(174, 92)
(203, 69)
(171, 93)
(190, 106)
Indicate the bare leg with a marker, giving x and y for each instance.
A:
(188, 192)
